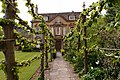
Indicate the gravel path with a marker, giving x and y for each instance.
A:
(60, 70)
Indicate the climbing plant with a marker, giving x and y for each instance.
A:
(92, 32)
(11, 36)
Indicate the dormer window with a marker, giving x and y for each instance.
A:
(71, 17)
(45, 18)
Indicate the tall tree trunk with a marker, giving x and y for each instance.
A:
(85, 51)
(9, 44)
(85, 41)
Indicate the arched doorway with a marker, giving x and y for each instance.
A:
(58, 43)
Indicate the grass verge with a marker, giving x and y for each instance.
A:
(25, 72)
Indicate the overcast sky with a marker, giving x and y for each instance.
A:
(53, 6)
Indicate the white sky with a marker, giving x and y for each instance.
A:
(52, 6)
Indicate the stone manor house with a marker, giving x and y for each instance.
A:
(59, 24)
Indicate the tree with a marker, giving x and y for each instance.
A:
(10, 35)
(9, 40)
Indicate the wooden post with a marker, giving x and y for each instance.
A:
(51, 52)
(42, 56)
(46, 54)
(9, 45)
(85, 42)
(70, 44)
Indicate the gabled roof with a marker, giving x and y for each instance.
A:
(64, 15)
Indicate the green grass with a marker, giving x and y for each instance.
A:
(25, 72)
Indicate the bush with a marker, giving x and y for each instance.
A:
(54, 54)
(27, 49)
(69, 56)
(94, 74)
(78, 63)
(76, 58)
(39, 78)
(92, 59)
(34, 49)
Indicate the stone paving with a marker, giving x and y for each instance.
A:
(60, 70)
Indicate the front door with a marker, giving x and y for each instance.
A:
(58, 44)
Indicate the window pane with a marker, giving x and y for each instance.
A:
(45, 18)
(57, 30)
(71, 17)
(64, 31)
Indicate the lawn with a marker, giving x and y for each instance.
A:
(25, 72)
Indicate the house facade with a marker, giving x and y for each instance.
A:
(59, 24)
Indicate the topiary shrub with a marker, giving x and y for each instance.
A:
(62, 51)
(27, 50)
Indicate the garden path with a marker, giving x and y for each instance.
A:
(60, 70)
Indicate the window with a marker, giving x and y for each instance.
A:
(52, 30)
(57, 30)
(71, 17)
(45, 18)
(64, 31)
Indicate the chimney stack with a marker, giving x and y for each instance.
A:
(36, 9)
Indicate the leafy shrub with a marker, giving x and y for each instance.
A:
(92, 59)
(78, 62)
(34, 49)
(69, 56)
(38, 78)
(94, 74)
(54, 54)
(27, 49)
(62, 51)
(112, 66)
